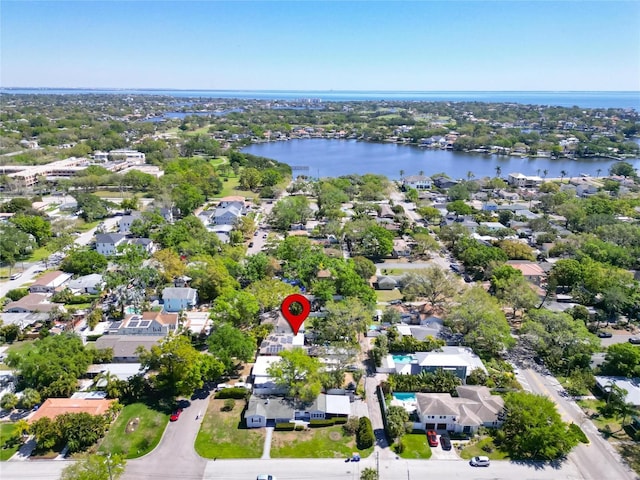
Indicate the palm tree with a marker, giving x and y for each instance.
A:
(498, 171)
(563, 173)
(545, 172)
(401, 174)
(470, 175)
(598, 172)
(421, 173)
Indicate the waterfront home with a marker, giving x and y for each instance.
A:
(524, 181)
(444, 182)
(418, 182)
(474, 407)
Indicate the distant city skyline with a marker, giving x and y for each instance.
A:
(323, 46)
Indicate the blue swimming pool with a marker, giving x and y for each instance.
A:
(404, 396)
(403, 358)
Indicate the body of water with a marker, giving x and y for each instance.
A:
(561, 99)
(333, 158)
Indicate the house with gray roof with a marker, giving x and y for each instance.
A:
(108, 243)
(474, 407)
(92, 284)
(176, 299)
(125, 346)
(126, 221)
(227, 215)
(268, 411)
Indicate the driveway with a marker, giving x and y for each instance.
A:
(175, 456)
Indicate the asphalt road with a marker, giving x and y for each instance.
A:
(595, 461)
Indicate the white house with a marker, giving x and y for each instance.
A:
(521, 180)
(149, 323)
(419, 182)
(108, 243)
(233, 201)
(263, 383)
(176, 299)
(227, 215)
(127, 220)
(268, 411)
(92, 284)
(474, 407)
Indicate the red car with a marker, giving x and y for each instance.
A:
(432, 437)
(175, 415)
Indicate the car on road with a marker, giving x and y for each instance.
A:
(605, 334)
(266, 477)
(250, 244)
(479, 461)
(432, 438)
(264, 236)
(15, 276)
(634, 340)
(175, 415)
(445, 442)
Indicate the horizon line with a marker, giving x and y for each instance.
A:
(310, 90)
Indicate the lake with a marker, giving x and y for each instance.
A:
(332, 158)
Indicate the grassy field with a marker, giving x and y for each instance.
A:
(388, 295)
(221, 435)
(86, 226)
(326, 442)
(475, 449)
(20, 347)
(136, 432)
(7, 430)
(231, 187)
(611, 427)
(415, 446)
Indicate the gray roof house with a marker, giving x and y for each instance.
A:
(108, 243)
(127, 220)
(474, 407)
(179, 298)
(92, 283)
(124, 346)
(267, 411)
(226, 215)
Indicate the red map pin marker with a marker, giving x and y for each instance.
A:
(295, 320)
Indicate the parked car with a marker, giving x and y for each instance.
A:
(15, 276)
(175, 415)
(266, 477)
(479, 461)
(445, 442)
(250, 244)
(634, 340)
(605, 334)
(432, 438)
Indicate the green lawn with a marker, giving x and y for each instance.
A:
(230, 186)
(475, 449)
(416, 446)
(86, 226)
(131, 440)
(610, 427)
(20, 347)
(7, 431)
(222, 436)
(325, 442)
(388, 295)
(39, 254)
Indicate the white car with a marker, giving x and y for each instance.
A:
(479, 461)
(266, 477)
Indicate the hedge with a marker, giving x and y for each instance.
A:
(285, 426)
(234, 392)
(577, 431)
(340, 420)
(321, 422)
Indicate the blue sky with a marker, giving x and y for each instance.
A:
(427, 45)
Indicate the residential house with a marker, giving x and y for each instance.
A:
(125, 347)
(490, 206)
(52, 407)
(531, 271)
(233, 201)
(474, 407)
(177, 299)
(126, 221)
(630, 385)
(385, 282)
(108, 243)
(145, 243)
(493, 226)
(34, 302)
(92, 284)
(263, 383)
(24, 319)
(149, 323)
(268, 411)
(444, 182)
(419, 182)
(401, 248)
(524, 181)
(227, 215)
(50, 282)
(460, 361)
(385, 211)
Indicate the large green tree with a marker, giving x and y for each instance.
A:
(432, 284)
(533, 429)
(227, 343)
(298, 373)
(84, 262)
(95, 467)
(344, 322)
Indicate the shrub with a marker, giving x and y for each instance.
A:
(285, 426)
(17, 293)
(340, 420)
(321, 422)
(399, 446)
(351, 427)
(9, 401)
(299, 428)
(234, 392)
(229, 403)
(364, 435)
